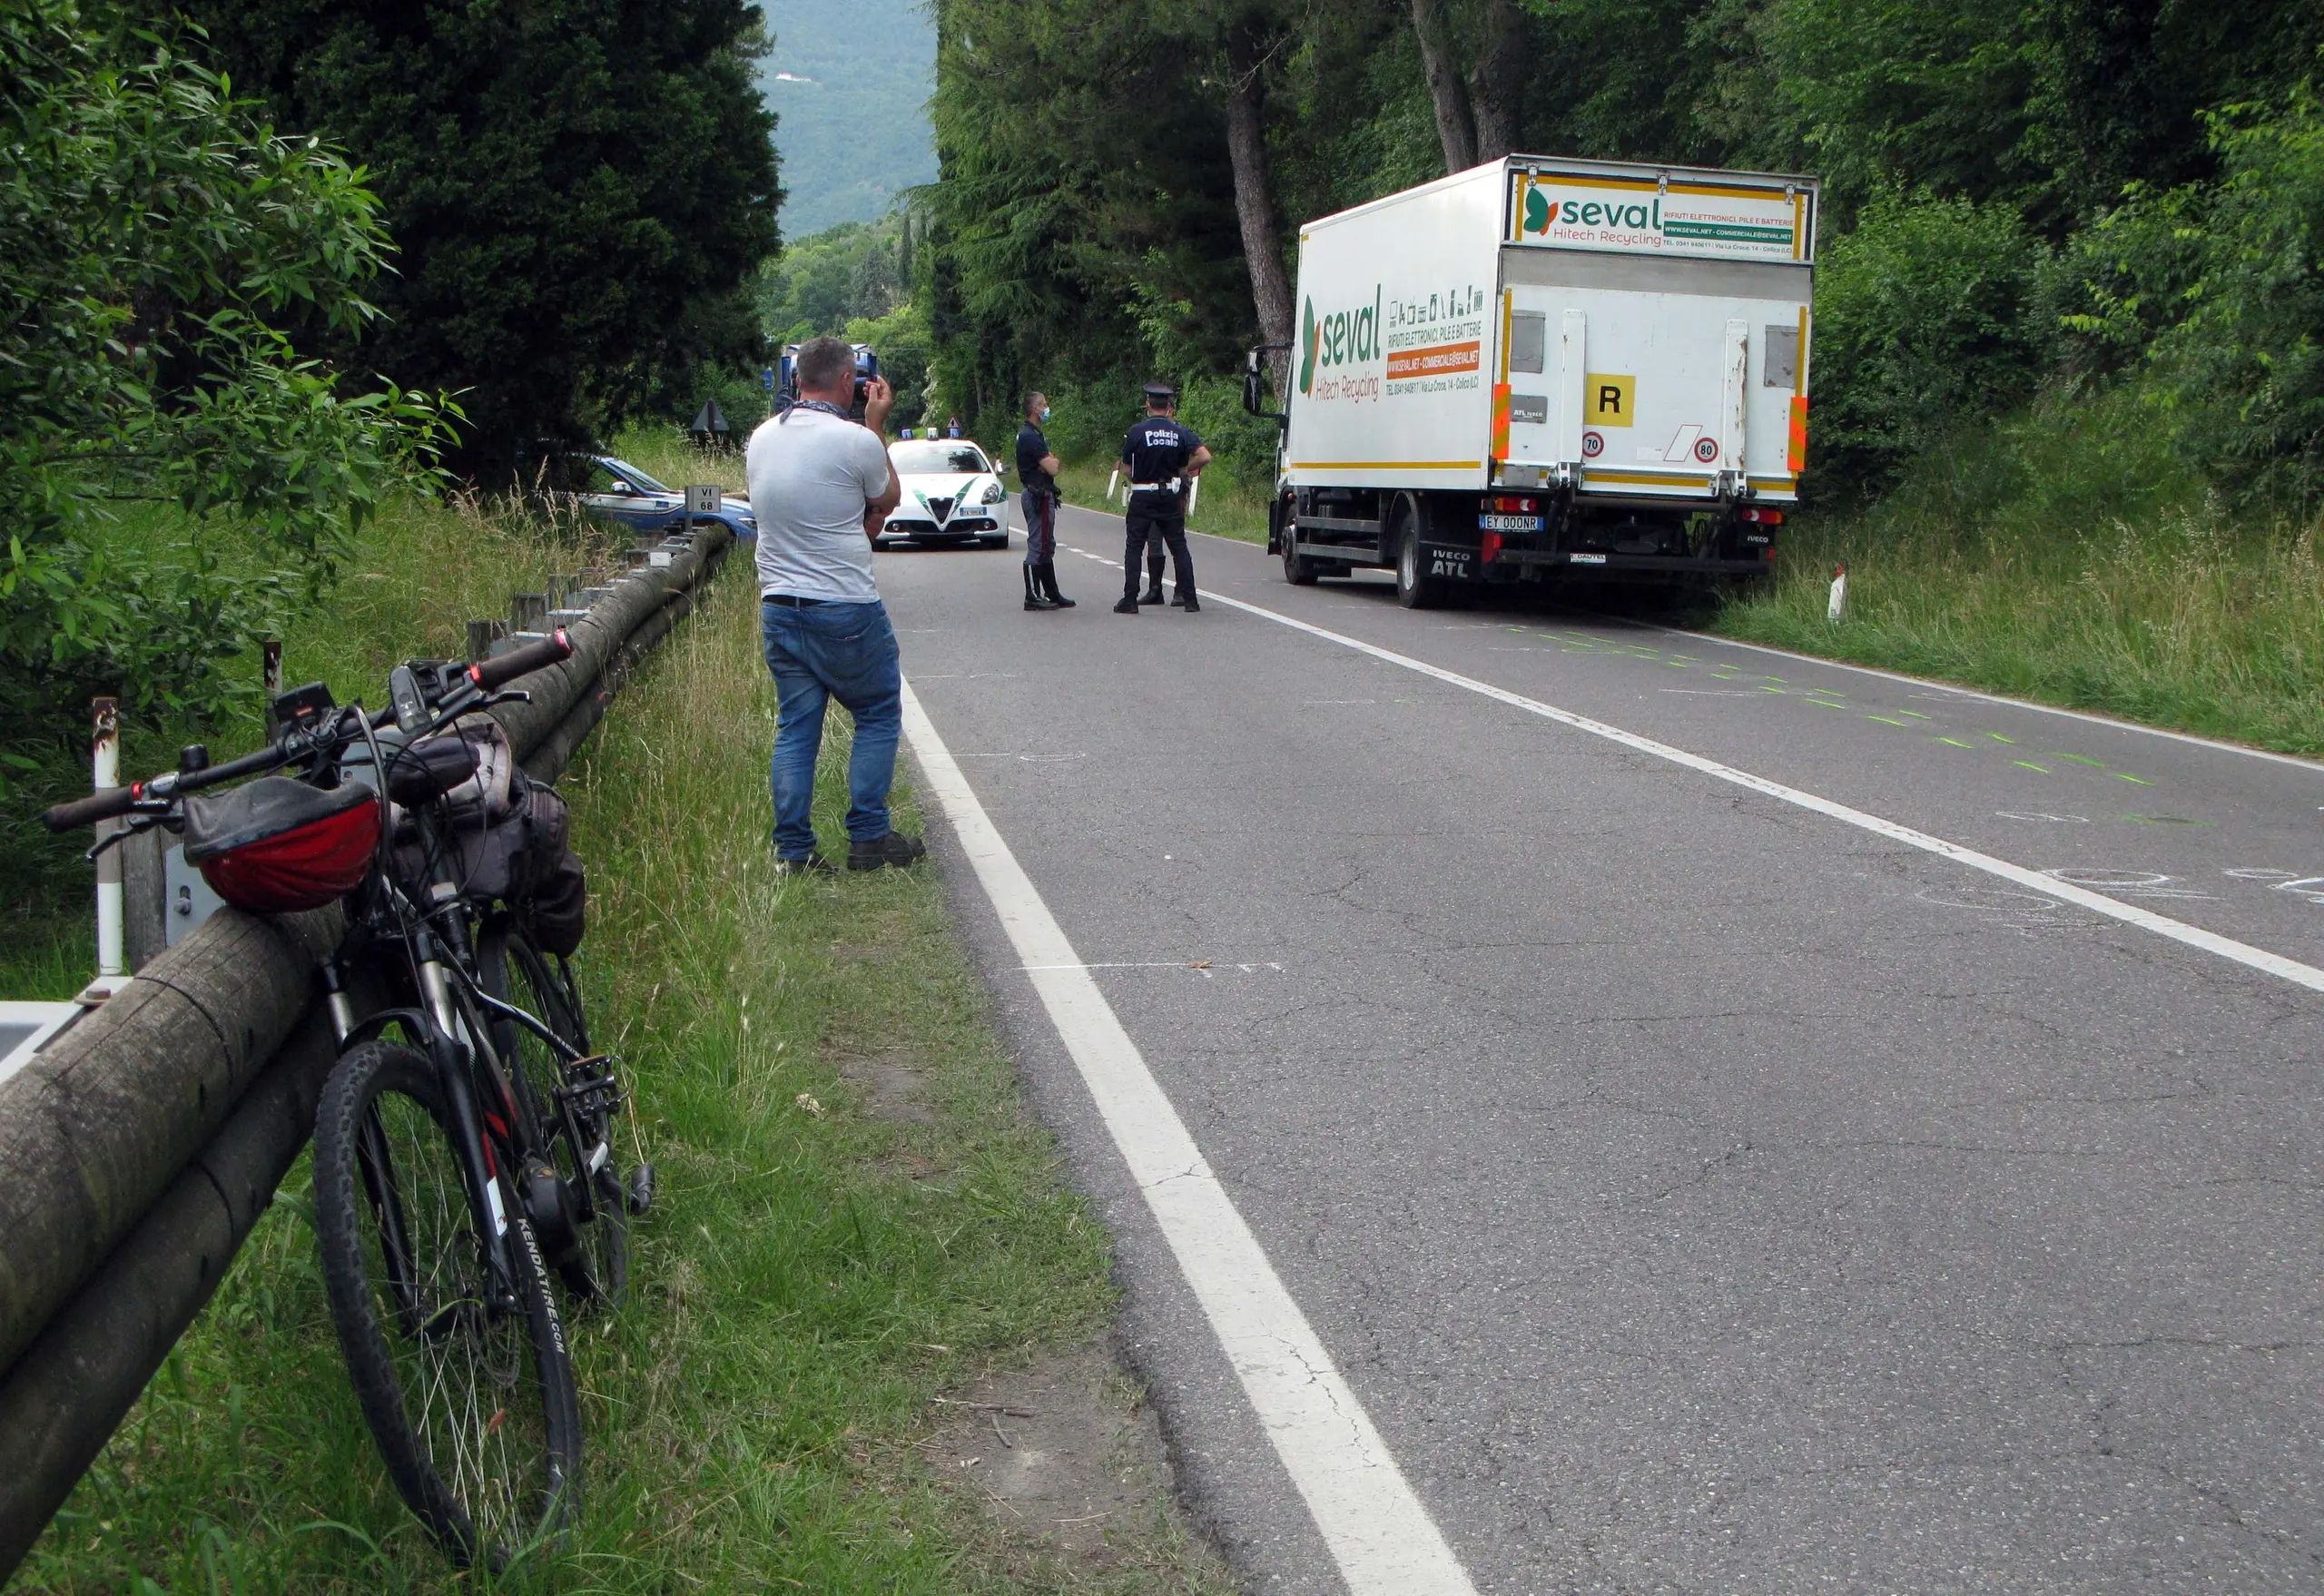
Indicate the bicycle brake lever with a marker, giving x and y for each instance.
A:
(506, 696)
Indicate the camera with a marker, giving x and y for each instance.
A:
(867, 368)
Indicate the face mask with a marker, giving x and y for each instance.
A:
(1045, 412)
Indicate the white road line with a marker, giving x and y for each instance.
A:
(2294, 761)
(2242, 954)
(1381, 1538)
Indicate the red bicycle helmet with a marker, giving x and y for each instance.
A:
(276, 845)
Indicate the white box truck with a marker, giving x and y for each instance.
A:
(1546, 369)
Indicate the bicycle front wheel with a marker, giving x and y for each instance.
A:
(464, 1378)
(575, 1131)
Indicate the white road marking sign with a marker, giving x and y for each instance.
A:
(1381, 1538)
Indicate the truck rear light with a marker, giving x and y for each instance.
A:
(1490, 547)
(1764, 517)
(1513, 506)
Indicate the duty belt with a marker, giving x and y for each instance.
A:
(1172, 486)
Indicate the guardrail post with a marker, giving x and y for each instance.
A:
(105, 758)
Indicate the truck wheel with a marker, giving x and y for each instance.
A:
(1413, 591)
(1283, 537)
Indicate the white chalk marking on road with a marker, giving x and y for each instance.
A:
(1381, 1538)
(2243, 953)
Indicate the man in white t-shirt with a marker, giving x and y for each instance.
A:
(820, 488)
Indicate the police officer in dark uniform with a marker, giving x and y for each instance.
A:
(1160, 457)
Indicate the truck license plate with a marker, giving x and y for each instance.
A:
(1509, 523)
(1587, 559)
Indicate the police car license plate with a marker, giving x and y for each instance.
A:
(1509, 523)
(1587, 559)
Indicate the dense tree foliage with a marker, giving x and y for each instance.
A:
(158, 246)
(2009, 184)
(579, 188)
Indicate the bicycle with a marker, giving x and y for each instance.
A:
(462, 1161)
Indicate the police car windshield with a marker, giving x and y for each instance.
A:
(639, 482)
(918, 457)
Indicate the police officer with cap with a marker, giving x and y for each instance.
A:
(1160, 457)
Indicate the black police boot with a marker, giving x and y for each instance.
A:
(1128, 606)
(1034, 597)
(1049, 584)
(1153, 594)
(1186, 601)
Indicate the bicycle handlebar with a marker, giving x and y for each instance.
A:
(295, 745)
(96, 806)
(522, 661)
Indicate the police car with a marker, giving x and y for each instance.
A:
(619, 492)
(951, 495)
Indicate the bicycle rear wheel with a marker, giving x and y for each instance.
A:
(470, 1399)
(575, 1133)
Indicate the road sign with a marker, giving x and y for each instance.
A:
(703, 499)
(710, 419)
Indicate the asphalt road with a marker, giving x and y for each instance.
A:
(1701, 1193)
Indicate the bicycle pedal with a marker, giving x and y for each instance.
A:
(640, 1189)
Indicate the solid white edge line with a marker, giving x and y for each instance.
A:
(1383, 1540)
(2242, 954)
(2314, 767)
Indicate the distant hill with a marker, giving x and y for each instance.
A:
(851, 81)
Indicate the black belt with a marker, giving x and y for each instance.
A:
(792, 601)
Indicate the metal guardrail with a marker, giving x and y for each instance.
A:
(142, 1144)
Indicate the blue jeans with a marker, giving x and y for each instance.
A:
(817, 654)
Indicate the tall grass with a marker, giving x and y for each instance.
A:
(810, 1276)
(418, 572)
(2065, 554)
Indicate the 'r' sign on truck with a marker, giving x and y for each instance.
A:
(1549, 369)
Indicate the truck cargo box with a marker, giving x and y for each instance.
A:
(1624, 339)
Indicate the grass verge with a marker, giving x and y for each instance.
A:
(812, 1274)
(2065, 557)
(419, 571)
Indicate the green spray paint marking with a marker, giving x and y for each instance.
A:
(2119, 776)
(1915, 713)
(1821, 704)
(1997, 737)
(1954, 741)
(2078, 759)
(1772, 689)
(1884, 721)
(2042, 769)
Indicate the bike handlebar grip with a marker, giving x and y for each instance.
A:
(522, 661)
(96, 806)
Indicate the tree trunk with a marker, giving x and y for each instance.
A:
(1497, 86)
(1454, 128)
(1246, 150)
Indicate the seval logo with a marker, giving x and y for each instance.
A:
(1339, 339)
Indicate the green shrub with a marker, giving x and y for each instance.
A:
(2247, 364)
(1929, 315)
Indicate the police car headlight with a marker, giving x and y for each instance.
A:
(994, 493)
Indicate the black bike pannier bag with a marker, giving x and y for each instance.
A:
(422, 772)
(557, 912)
